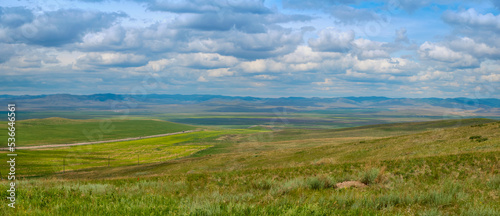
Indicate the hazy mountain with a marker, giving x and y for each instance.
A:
(220, 103)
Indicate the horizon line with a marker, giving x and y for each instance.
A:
(236, 96)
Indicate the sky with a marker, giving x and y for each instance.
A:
(317, 48)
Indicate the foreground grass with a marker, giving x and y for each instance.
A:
(464, 184)
(60, 130)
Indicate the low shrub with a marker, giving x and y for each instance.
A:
(319, 182)
(369, 176)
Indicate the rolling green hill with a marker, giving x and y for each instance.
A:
(62, 131)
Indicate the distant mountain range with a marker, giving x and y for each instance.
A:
(220, 103)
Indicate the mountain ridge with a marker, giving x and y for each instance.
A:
(233, 103)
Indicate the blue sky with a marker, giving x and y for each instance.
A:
(397, 48)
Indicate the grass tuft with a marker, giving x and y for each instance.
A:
(368, 177)
(319, 182)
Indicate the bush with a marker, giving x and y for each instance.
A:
(288, 186)
(319, 182)
(369, 176)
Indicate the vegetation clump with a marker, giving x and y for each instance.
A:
(478, 138)
(320, 182)
(478, 125)
(369, 176)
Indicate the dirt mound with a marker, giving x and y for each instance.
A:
(348, 184)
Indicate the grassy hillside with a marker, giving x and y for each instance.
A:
(236, 150)
(60, 130)
(431, 168)
(377, 130)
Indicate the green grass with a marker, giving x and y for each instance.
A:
(414, 186)
(117, 154)
(431, 168)
(60, 130)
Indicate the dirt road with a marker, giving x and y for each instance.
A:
(97, 142)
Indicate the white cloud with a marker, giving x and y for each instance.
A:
(326, 82)
(367, 49)
(160, 65)
(491, 77)
(204, 60)
(265, 77)
(390, 65)
(472, 18)
(332, 40)
(202, 79)
(111, 59)
(468, 45)
(309, 66)
(220, 72)
(305, 54)
(262, 65)
(431, 75)
(444, 54)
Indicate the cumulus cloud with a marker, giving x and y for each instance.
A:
(202, 79)
(253, 45)
(367, 49)
(350, 15)
(234, 35)
(327, 81)
(219, 72)
(13, 17)
(272, 43)
(200, 6)
(478, 49)
(332, 40)
(265, 77)
(222, 22)
(204, 60)
(472, 18)
(262, 65)
(111, 60)
(56, 28)
(113, 38)
(444, 54)
(351, 75)
(305, 54)
(491, 77)
(387, 66)
(431, 75)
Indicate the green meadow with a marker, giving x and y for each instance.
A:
(446, 167)
(62, 131)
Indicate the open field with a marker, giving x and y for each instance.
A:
(38, 162)
(430, 168)
(61, 131)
